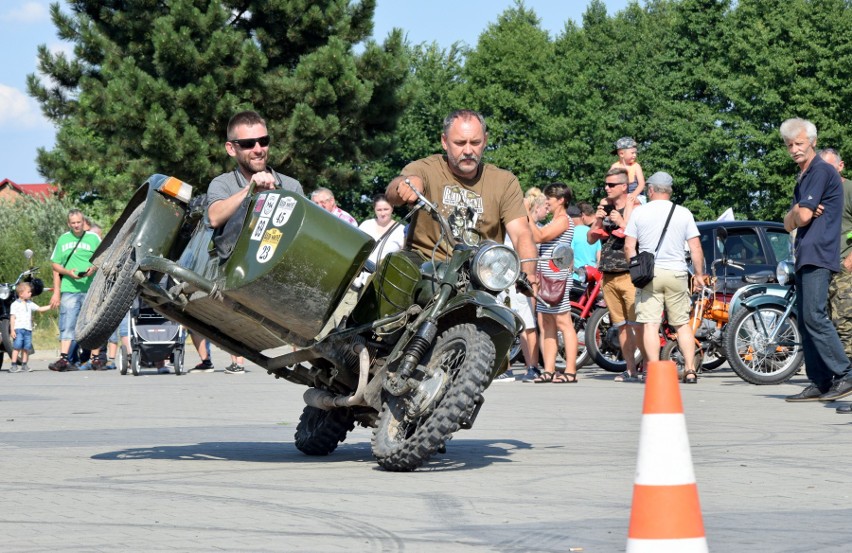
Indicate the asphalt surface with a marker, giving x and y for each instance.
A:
(96, 461)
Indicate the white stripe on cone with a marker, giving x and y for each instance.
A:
(664, 457)
(690, 545)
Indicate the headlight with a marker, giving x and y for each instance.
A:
(4, 292)
(784, 273)
(581, 275)
(495, 266)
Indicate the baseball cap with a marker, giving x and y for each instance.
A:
(660, 178)
(623, 143)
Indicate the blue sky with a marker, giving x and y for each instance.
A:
(26, 24)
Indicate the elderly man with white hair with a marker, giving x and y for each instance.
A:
(815, 213)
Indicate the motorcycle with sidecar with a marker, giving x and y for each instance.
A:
(407, 347)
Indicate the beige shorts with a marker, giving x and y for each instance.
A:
(669, 289)
(619, 295)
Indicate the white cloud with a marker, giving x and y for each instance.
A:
(19, 111)
(28, 12)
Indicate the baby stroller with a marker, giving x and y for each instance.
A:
(153, 339)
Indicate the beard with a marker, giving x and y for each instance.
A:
(251, 165)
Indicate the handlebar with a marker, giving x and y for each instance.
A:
(422, 202)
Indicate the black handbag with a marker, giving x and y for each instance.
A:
(642, 264)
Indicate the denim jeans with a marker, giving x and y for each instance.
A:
(825, 358)
(69, 309)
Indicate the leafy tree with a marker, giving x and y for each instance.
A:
(153, 84)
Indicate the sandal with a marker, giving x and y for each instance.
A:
(689, 376)
(564, 378)
(626, 377)
(544, 377)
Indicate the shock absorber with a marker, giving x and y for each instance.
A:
(419, 345)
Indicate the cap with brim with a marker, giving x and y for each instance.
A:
(660, 178)
(623, 143)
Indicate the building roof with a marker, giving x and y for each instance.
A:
(36, 189)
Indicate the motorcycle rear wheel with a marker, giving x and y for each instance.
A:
(113, 288)
(746, 346)
(466, 353)
(319, 432)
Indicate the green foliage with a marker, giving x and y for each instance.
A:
(32, 224)
(153, 84)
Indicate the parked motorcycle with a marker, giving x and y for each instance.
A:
(9, 295)
(763, 341)
(407, 348)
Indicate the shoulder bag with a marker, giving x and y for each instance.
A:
(642, 264)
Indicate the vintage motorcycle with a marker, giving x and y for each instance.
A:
(763, 341)
(407, 348)
(8, 295)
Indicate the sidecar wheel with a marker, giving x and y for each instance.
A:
(113, 289)
(466, 354)
(319, 431)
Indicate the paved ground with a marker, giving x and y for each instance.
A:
(104, 462)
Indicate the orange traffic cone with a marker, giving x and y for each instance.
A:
(666, 516)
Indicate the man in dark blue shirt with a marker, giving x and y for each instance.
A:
(816, 212)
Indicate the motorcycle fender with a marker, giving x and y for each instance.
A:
(160, 222)
(763, 300)
(476, 305)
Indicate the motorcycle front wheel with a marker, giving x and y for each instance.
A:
(6, 340)
(319, 432)
(602, 342)
(112, 290)
(466, 354)
(750, 353)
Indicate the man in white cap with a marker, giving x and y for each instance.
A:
(670, 287)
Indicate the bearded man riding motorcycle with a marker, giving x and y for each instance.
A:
(458, 180)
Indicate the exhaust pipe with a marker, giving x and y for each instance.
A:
(325, 400)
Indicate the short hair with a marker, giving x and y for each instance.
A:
(791, 128)
(23, 285)
(829, 152)
(248, 118)
(620, 171)
(586, 208)
(559, 190)
(75, 211)
(464, 114)
(322, 190)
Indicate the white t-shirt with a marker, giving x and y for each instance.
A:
(646, 225)
(393, 242)
(23, 312)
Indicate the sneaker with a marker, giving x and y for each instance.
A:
(163, 370)
(109, 366)
(233, 368)
(15, 368)
(27, 368)
(97, 364)
(60, 365)
(506, 377)
(203, 367)
(531, 374)
(87, 366)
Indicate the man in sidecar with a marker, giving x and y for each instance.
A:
(457, 180)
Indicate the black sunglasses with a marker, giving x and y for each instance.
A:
(611, 184)
(248, 143)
